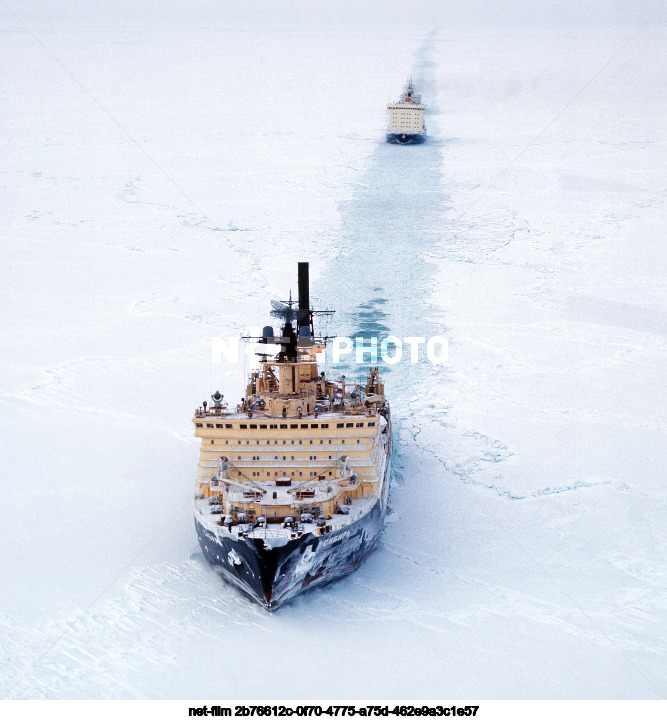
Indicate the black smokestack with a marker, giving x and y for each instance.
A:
(304, 295)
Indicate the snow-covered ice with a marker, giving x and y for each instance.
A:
(163, 170)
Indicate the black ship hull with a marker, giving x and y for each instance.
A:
(272, 576)
(406, 138)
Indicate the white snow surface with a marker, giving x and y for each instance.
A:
(163, 172)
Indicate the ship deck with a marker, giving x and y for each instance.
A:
(329, 415)
(274, 533)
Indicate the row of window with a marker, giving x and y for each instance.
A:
(282, 473)
(245, 426)
(342, 440)
(277, 458)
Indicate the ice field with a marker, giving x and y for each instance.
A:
(164, 170)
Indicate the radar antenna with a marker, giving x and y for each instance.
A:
(283, 310)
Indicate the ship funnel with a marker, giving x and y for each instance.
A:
(304, 295)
